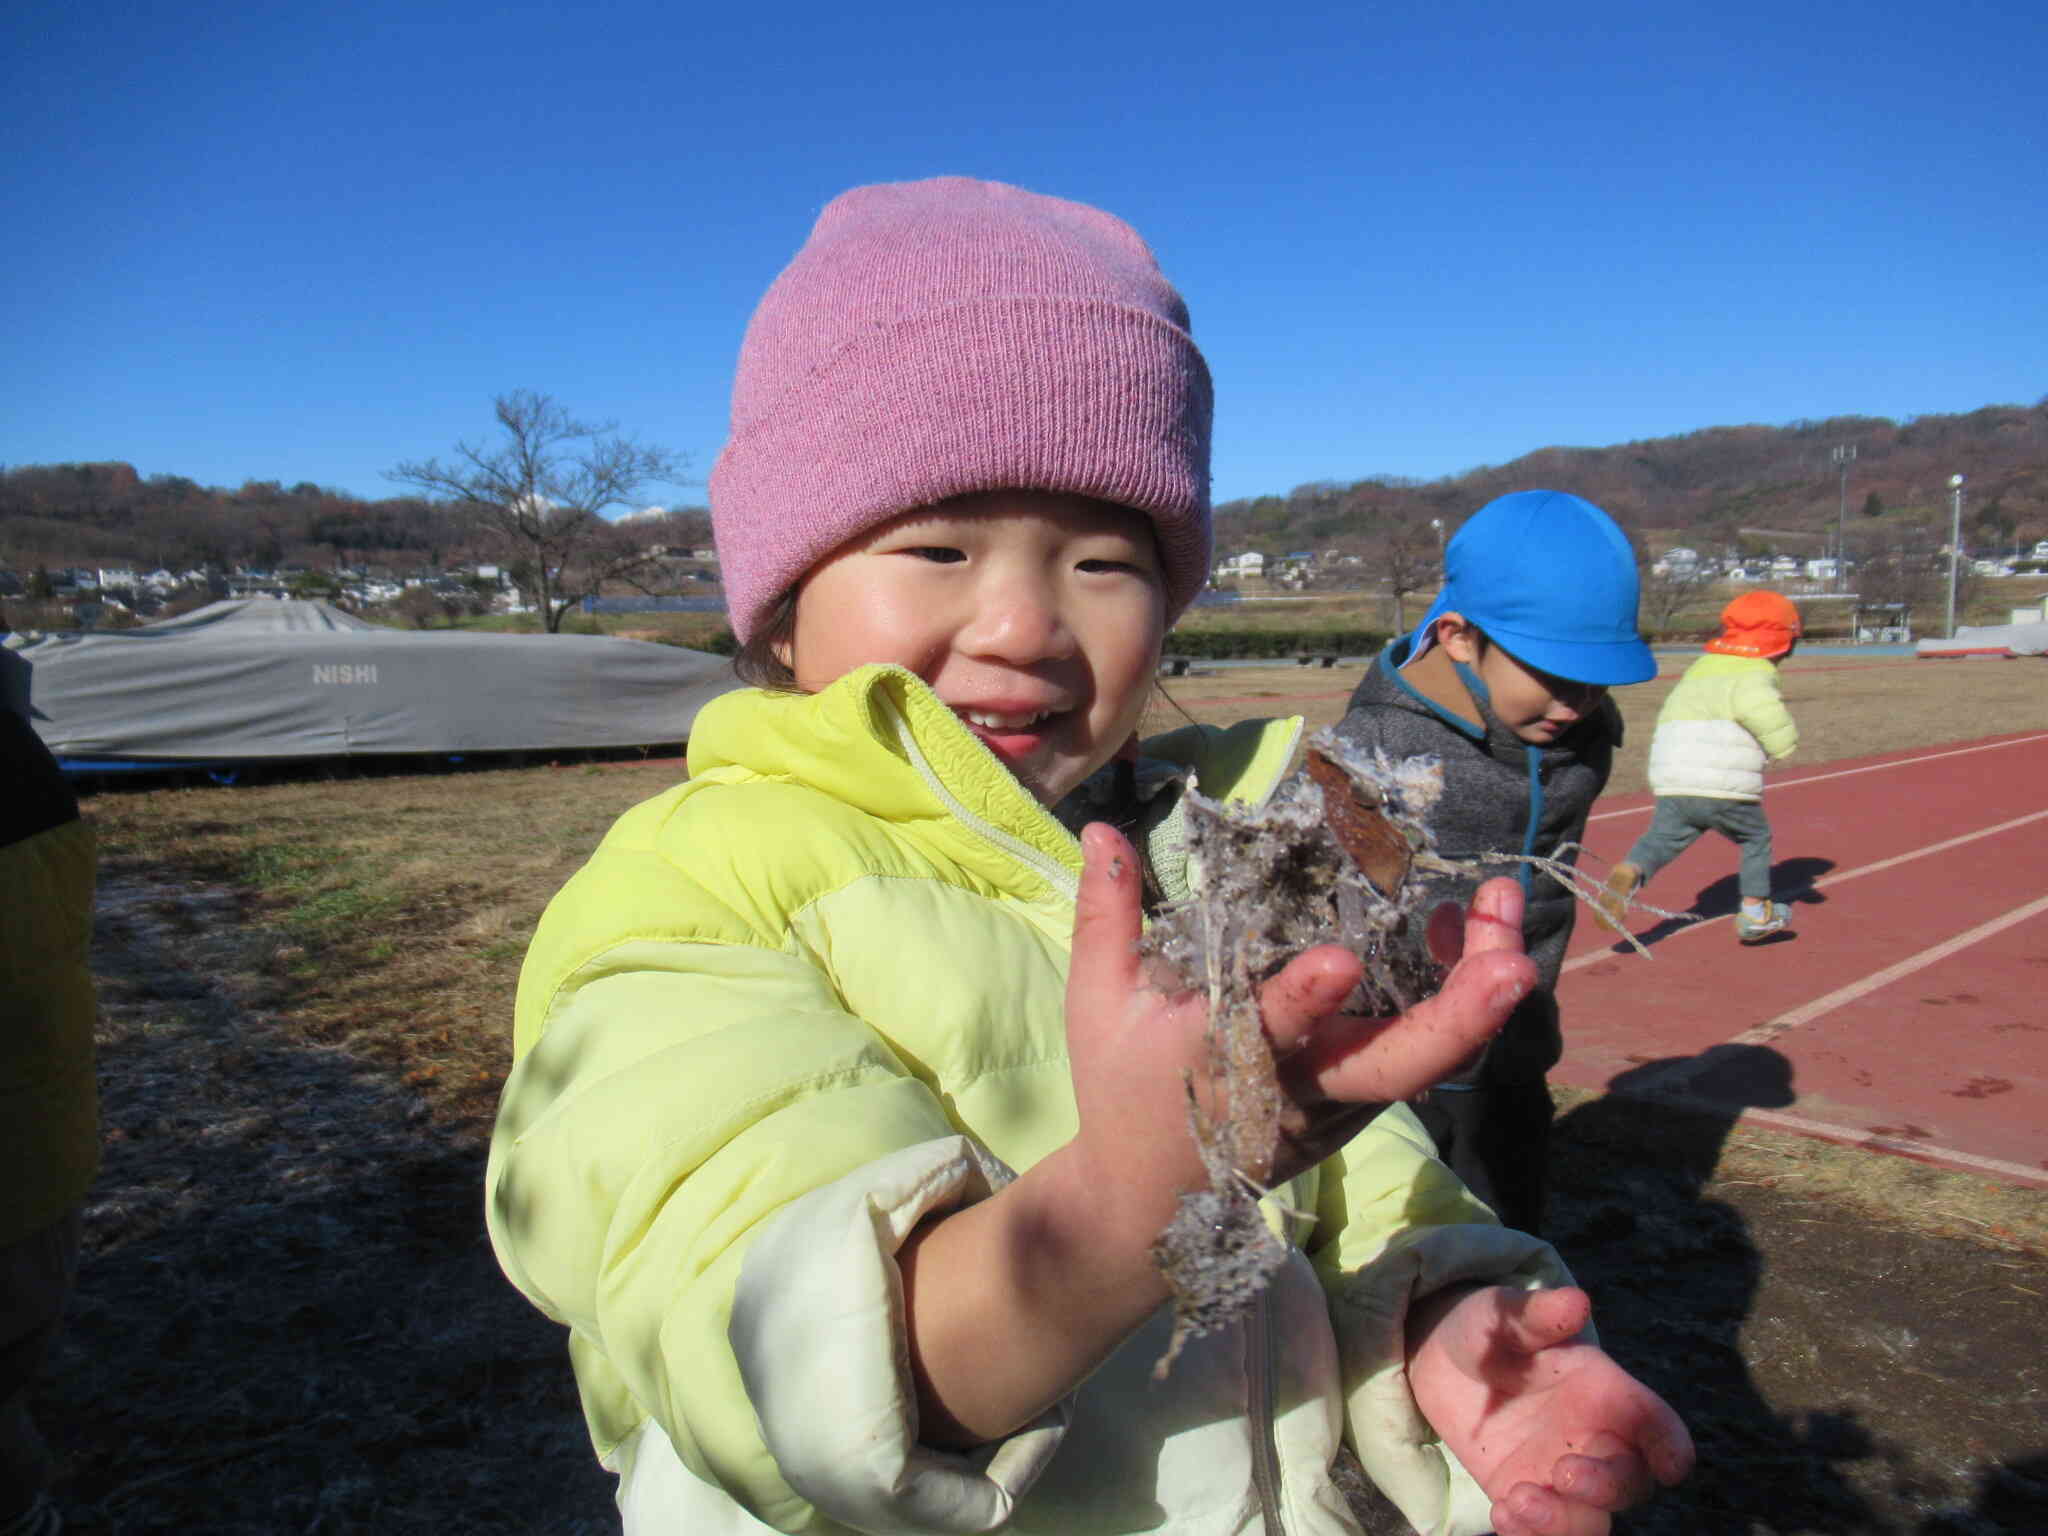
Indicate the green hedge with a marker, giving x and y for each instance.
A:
(721, 642)
(1276, 644)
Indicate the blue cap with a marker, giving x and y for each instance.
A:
(1551, 579)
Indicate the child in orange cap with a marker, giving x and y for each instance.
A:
(1723, 721)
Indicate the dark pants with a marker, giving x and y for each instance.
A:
(1493, 1127)
(35, 1279)
(1679, 821)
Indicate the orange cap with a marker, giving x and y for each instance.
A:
(1757, 624)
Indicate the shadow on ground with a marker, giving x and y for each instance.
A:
(1793, 882)
(1830, 1379)
(288, 1317)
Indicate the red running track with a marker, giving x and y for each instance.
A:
(1908, 1008)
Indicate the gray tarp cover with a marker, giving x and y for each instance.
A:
(267, 678)
(2028, 639)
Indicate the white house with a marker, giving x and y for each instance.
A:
(1250, 563)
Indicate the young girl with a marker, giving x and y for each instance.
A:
(842, 1121)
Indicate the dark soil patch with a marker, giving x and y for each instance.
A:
(288, 1317)
(1840, 1371)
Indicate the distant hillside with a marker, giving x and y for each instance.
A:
(1752, 489)
(54, 516)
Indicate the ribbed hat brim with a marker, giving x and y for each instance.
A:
(1079, 396)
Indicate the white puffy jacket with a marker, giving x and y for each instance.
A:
(1723, 721)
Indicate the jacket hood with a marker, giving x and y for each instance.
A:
(1384, 687)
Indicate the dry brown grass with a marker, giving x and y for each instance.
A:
(289, 1319)
(399, 906)
(1847, 704)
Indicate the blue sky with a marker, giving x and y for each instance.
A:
(297, 242)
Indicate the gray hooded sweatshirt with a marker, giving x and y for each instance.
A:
(1501, 796)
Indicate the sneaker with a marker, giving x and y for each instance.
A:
(1776, 919)
(1623, 881)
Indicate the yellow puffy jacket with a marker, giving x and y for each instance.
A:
(49, 1101)
(796, 1004)
(1718, 727)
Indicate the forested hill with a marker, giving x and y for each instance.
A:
(59, 515)
(1745, 487)
(1749, 488)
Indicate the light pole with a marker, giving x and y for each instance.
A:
(1955, 544)
(1845, 455)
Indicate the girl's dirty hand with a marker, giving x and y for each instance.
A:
(1132, 1049)
(1347, 1059)
(1558, 1434)
(1137, 1052)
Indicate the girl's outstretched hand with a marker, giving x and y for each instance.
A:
(1058, 1264)
(1134, 1048)
(1558, 1435)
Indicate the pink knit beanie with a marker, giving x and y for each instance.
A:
(939, 338)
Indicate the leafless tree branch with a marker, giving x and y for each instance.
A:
(540, 494)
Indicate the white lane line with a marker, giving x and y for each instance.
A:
(1806, 1013)
(1606, 952)
(1848, 1135)
(1671, 1084)
(1915, 1149)
(1849, 773)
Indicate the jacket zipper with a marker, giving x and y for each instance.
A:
(1259, 1409)
(1526, 874)
(1258, 1327)
(1057, 874)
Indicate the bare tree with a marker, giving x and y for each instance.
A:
(420, 607)
(540, 497)
(1410, 560)
(1913, 571)
(1667, 595)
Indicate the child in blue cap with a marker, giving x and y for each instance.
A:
(1505, 680)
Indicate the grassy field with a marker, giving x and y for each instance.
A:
(1847, 703)
(288, 1319)
(1981, 601)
